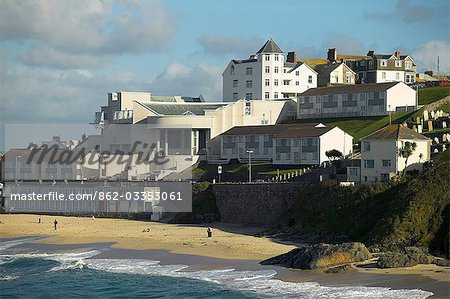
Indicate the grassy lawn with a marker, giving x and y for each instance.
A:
(445, 108)
(359, 127)
(432, 94)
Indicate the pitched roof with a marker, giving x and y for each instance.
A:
(270, 47)
(326, 68)
(312, 62)
(396, 132)
(352, 56)
(281, 130)
(182, 108)
(349, 88)
(237, 61)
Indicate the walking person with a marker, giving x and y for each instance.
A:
(56, 224)
(209, 232)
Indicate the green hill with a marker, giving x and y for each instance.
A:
(432, 94)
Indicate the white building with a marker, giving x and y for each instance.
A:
(382, 153)
(268, 74)
(356, 100)
(297, 144)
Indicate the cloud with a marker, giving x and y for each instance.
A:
(179, 79)
(86, 33)
(426, 55)
(405, 10)
(343, 44)
(43, 95)
(213, 44)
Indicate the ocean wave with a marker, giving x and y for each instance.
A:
(261, 282)
(8, 277)
(8, 244)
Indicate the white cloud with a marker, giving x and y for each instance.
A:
(85, 33)
(179, 79)
(426, 55)
(405, 11)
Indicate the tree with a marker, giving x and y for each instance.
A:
(333, 154)
(407, 151)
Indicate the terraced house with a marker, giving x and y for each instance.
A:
(378, 68)
(357, 100)
(284, 144)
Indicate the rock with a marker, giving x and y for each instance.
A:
(339, 269)
(321, 256)
(408, 257)
(441, 262)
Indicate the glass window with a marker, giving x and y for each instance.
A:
(277, 57)
(248, 96)
(383, 75)
(275, 82)
(383, 62)
(370, 64)
(267, 69)
(266, 95)
(267, 82)
(398, 63)
(276, 70)
(248, 84)
(366, 146)
(235, 96)
(275, 95)
(297, 73)
(386, 163)
(249, 71)
(310, 79)
(235, 83)
(297, 83)
(369, 163)
(267, 57)
(232, 70)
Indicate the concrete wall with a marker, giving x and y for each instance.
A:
(255, 204)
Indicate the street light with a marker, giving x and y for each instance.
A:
(249, 165)
(16, 166)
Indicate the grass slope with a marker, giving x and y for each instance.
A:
(432, 94)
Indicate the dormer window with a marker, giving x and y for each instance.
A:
(383, 62)
(408, 64)
(398, 63)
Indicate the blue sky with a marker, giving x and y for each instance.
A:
(60, 60)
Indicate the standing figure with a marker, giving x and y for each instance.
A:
(209, 232)
(56, 224)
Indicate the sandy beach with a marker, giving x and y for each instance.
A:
(229, 242)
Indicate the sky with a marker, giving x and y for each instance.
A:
(59, 59)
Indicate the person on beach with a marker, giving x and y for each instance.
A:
(209, 232)
(39, 218)
(56, 224)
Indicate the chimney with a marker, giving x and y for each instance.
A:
(397, 54)
(370, 53)
(291, 57)
(332, 55)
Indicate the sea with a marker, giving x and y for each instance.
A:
(79, 274)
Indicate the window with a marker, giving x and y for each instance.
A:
(284, 70)
(266, 95)
(249, 71)
(276, 70)
(232, 70)
(248, 84)
(408, 64)
(248, 96)
(266, 138)
(370, 64)
(297, 73)
(366, 146)
(248, 112)
(235, 83)
(369, 164)
(275, 82)
(267, 57)
(383, 62)
(267, 82)
(397, 76)
(275, 95)
(235, 96)
(277, 57)
(278, 142)
(310, 79)
(267, 69)
(383, 75)
(353, 172)
(363, 63)
(386, 163)
(288, 156)
(286, 82)
(398, 63)
(297, 83)
(278, 156)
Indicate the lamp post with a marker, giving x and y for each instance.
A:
(16, 166)
(249, 165)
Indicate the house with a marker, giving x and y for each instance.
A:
(356, 100)
(269, 74)
(383, 153)
(378, 68)
(284, 144)
(334, 73)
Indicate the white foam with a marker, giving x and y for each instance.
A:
(8, 244)
(8, 277)
(261, 281)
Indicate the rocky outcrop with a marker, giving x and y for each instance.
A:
(321, 256)
(408, 257)
(339, 269)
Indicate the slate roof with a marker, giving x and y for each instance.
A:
(181, 108)
(349, 88)
(236, 61)
(322, 69)
(396, 132)
(270, 47)
(281, 130)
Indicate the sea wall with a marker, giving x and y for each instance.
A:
(258, 204)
